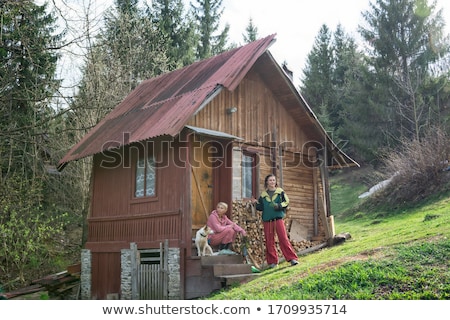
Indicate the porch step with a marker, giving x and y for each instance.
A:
(218, 271)
(231, 279)
(222, 259)
(231, 269)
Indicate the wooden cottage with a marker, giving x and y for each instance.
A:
(178, 144)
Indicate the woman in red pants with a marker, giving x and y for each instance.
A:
(273, 203)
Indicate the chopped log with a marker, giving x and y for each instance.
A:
(340, 238)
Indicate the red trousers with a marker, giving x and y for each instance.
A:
(228, 235)
(270, 229)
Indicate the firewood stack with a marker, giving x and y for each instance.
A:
(245, 215)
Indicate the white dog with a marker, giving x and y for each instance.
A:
(201, 241)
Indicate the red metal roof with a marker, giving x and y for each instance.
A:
(164, 104)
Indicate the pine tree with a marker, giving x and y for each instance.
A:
(207, 15)
(405, 39)
(252, 32)
(178, 27)
(317, 76)
(134, 49)
(27, 77)
(339, 87)
(345, 61)
(28, 59)
(350, 94)
(363, 123)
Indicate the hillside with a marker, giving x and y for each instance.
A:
(401, 253)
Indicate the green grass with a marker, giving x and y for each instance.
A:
(392, 254)
(344, 197)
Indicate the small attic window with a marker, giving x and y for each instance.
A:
(145, 178)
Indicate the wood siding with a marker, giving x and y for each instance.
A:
(265, 126)
(141, 228)
(118, 218)
(105, 274)
(298, 182)
(259, 117)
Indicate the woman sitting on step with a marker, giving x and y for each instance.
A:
(225, 230)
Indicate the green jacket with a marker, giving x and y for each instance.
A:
(275, 208)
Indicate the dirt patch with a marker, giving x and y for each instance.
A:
(376, 253)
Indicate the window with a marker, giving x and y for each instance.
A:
(145, 178)
(247, 176)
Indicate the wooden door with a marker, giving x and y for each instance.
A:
(202, 182)
(152, 273)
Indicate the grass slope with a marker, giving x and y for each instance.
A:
(399, 254)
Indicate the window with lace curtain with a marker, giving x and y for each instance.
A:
(145, 178)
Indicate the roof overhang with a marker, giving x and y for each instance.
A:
(213, 133)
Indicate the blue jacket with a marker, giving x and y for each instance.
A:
(275, 208)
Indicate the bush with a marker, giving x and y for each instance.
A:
(29, 233)
(418, 169)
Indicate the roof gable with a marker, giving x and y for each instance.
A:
(164, 104)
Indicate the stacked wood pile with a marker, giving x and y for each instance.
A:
(245, 215)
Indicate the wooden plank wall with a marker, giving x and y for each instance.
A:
(264, 123)
(298, 182)
(259, 115)
(142, 228)
(104, 265)
(113, 193)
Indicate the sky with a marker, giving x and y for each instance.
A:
(296, 23)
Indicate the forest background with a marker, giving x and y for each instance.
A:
(385, 101)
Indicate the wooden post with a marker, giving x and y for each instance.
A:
(165, 268)
(316, 214)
